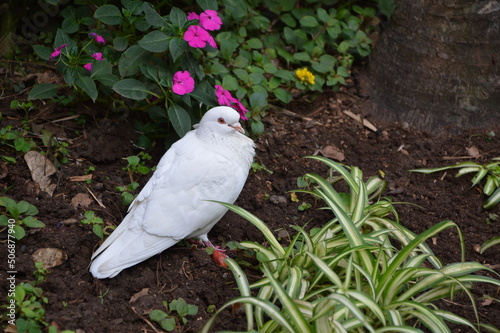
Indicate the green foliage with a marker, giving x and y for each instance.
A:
(127, 196)
(177, 311)
(96, 222)
(56, 149)
(29, 302)
(40, 273)
(256, 167)
(131, 51)
(490, 172)
(16, 139)
(361, 271)
(137, 164)
(17, 216)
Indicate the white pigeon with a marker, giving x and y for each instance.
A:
(210, 162)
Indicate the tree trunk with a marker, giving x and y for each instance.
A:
(436, 65)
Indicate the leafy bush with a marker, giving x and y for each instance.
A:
(362, 271)
(168, 65)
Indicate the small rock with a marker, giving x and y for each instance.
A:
(50, 257)
(278, 199)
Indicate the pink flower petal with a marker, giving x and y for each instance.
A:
(97, 56)
(88, 66)
(193, 16)
(183, 83)
(210, 20)
(196, 36)
(57, 51)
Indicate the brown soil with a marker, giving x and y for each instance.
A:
(76, 299)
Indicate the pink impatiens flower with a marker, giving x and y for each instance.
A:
(97, 56)
(57, 51)
(196, 36)
(183, 83)
(210, 20)
(224, 97)
(193, 16)
(98, 38)
(88, 66)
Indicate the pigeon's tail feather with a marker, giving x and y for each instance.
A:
(128, 250)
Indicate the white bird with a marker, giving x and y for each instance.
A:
(210, 162)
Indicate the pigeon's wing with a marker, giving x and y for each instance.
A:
(177, 204)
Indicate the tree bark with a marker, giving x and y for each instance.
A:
(436, 65)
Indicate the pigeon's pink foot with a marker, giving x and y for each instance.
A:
(219, 254)
(216, 248)
(218, 257)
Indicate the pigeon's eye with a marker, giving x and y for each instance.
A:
(221, 121)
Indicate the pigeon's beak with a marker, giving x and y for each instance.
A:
(237, 126)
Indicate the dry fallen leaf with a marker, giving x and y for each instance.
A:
(80, 178)
(81, 199)
(41, 169)
(332, 152)
(487, 302)
(473, 152)
(138, 295)
(50, 257)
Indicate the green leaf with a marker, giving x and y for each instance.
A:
(257, 127)
(31, 222)
(168, 324)
(288, 20)
(102, 72)
(88, 85)
(309, 21)
(180, 119)
(302, 56)
(258, 100)
(63, 38)
(70, 25)
(97, 229)
(236, 8)
(178, 17)
(11, 206)
(177, 47)
(19, 232)
(42, 51)
(131, 88)
(270, 68)
(283, 95)
(342, 71)
(131, 59)
(8, 159)
(109, 14)
(254, 43)
(152, 17)
(120, 43)
(157, 315)
(230, 83)
(43, 91)
(26, 208)
(207, 4)
(155, 41)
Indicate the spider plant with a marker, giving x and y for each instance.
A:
(360, 272)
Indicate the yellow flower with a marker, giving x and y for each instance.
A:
(305, 76)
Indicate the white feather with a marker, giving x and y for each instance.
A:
(208, 163)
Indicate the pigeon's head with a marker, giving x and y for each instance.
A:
(221, 120)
